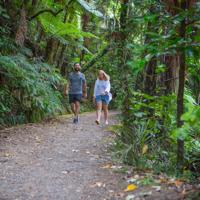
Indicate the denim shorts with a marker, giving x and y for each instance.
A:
(102, 98)
(75, 97)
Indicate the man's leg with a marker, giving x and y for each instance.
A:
(73, 108)
(77, 108)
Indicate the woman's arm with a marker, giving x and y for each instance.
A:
(107, 90)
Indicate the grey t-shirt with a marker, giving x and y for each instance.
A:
(76, 82)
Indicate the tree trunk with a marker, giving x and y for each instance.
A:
(170, 78)
(86, 42)
(150, 77)
(48, 50)
(180, 96)
(150, 69)
(61, 60)
(122, 54)
(59, 57)
(22, 28)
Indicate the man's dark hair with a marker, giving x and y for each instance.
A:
(76, 63)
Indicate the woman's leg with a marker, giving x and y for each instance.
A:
(98, 111)
(105, 110)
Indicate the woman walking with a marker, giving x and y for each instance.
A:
(102, 96)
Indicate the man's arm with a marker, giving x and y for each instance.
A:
(84, 88)
(66, 89)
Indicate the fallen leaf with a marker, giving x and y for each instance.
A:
(111, 166)
(108, 166)
(65, 172)
(157, 188)
(145, 194)
(97, 184)
(132, 180)
(75, 150)
(116, 167)
(178, 183)
(175, 182)
(137, 176)
(120, 194)
(144, 149)
(130, 197)
(38, 140)
(130, 187)
(163, 180)
(7, 155)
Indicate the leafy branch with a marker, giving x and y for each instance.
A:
(54, 13)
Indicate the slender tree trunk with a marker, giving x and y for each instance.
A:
(180, 96)
(85, 24)
(48, 50)
(150, 69)
(22, 28)
(59, 58)
(150, 77)
(122, 55)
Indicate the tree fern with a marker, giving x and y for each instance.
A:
(54, 26)
(32, 89)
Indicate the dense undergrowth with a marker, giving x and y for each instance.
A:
(151, 143)
(30, 88)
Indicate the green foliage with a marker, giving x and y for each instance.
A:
(56, 27)
(152, 120)
(32, 91)
(190, 133)
(145, 75)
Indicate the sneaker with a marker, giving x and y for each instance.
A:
(106, 122)
(74, 120)
(97, 122)
(77, 119)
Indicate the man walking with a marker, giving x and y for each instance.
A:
(76, 89)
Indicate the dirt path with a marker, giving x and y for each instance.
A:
(59, 161)
(56, 160)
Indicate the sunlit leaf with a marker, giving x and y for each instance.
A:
(144, 149)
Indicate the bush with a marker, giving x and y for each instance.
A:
(29, 90)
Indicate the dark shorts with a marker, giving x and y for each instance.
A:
(75, 97)
(102, 98)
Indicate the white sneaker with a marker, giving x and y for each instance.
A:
(106, 122)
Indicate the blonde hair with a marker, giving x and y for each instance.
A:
(106, 76)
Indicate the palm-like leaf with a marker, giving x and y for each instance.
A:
(56, 27)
